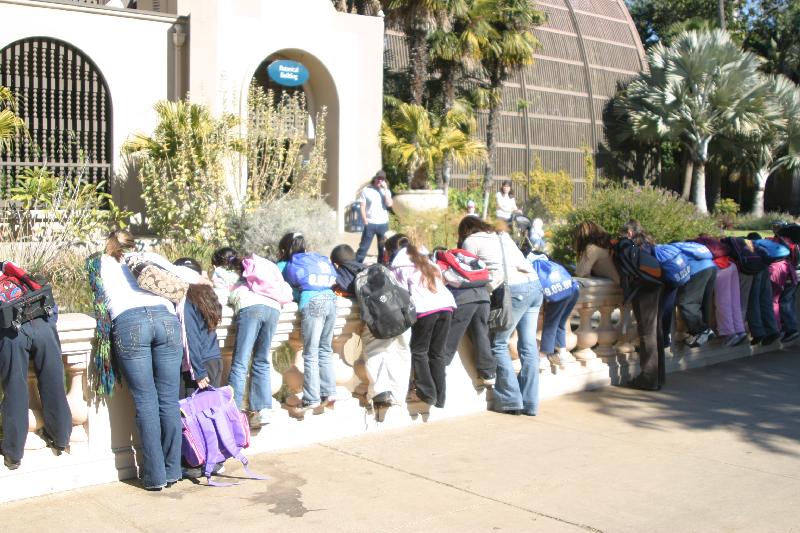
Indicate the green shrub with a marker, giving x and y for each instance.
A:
(661, 212)
(725, 211)
(261, 229)
(550, 193)
(175, 249)
(764, 222)
(431, 228)
(457, 199)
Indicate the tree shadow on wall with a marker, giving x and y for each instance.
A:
(757, 397)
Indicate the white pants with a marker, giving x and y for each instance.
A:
(388, 363)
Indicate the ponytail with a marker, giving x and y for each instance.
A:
(430, 273)
(119, 242)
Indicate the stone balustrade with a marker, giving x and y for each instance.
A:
(601, 350)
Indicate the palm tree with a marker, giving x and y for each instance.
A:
(10, 123)
(701, 86)
(775, 147)
(417, 18)
(509, 47)
(419, 141)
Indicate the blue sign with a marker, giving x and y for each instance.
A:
(289, 73)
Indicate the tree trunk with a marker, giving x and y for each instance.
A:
(341, 6)
(417, 56)
(758, 198)
(687, 179)
(721, 13)
(700, 187)
(491, 147)
(449, 99)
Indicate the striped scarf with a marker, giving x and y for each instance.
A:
(103, 375)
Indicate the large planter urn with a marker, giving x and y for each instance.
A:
(410, 203)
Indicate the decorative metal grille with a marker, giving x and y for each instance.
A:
(64, 100)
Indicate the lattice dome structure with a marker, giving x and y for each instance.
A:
(553, 110)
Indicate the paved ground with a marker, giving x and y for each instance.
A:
(718, 450)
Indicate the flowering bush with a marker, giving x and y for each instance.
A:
(661, 212)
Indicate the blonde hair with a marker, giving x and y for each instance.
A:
(118, 243)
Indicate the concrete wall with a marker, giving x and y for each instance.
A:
(133, 51)
(344, 54)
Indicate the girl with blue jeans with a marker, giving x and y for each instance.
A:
(513, 394)
(256, 321)
(318, 317)
(148, 348)
(554, 328)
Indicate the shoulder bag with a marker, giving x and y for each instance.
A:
(500, 307)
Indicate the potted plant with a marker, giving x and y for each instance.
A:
(417, 142)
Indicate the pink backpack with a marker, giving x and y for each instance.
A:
(263, 277)
(213, 430)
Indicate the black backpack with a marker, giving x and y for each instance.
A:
(637, 268)
(745, 255)
(386, 306)
(32, 304)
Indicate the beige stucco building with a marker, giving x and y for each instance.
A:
(88, 76)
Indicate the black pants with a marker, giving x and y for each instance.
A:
(473, 318)
(36, 340)
(428, 360)
(214, 371)
(668, 312)
(695, 300)
(647, 305)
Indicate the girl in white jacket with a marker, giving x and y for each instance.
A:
(434, 305)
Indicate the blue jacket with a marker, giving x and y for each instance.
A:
(203, 344)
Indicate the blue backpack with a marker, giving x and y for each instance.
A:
(674, 267)
(773, 250)
(310, 271)
(556, 282)
(694, 250)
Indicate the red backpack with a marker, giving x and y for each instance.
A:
(462, 269)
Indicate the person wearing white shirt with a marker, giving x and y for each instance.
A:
(376, 199)
(506, 204)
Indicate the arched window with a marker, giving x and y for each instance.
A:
(64, 100)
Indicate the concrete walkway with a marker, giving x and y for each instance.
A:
(717, 450)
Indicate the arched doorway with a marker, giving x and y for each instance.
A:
(65, 102)
(320, 91)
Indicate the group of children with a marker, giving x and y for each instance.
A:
(750, 282)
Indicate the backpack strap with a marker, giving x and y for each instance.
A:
(225, 443)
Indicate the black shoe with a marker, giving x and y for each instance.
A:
(756, 341)
(790, 336)
(45, 436)
(769, 339)
(11, 465)
(383, 399)
(639, 383)
(513, 412)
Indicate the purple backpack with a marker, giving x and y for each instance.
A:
(213, 430)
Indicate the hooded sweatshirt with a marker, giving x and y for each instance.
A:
(425, 300)
(487, 246)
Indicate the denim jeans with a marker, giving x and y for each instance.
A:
(787, 309)
(370, 231)
(760, 316)
(37, 341)
(554, 329)
(512, 392)
(147, 342)
(255, 326)
(318, 319)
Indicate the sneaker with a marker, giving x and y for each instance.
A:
(310, 405)
(219, 468)
(704, 337)
(691, 341)
(756, 340)
(769, 339)
(263, 416)
(488, 381)
(383, 399)
(790, 336)
(735, 339)
(328, 401)
(11, 465)
(193, 472)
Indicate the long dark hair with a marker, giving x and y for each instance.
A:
(430, 273)
(633, 230)
(119, 242)
(290, 244)
(205, 299)
(510, 188)
(227, 257)
(587, 233)
(470, 225)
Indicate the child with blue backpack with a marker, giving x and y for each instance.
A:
(694, 298)
(312, 276)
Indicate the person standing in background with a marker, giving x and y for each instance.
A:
(376, 199)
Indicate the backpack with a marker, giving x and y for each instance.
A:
(21, 298)
(674, 267)
(772, 250)
(156, 279)
(694, 250)
(352, 218)
(264, 277)
(346, 276)
(636, 266)
(462, 269)
(386, 306)
(744, 253)
(556, 282)
(213, 430)
(310, 271)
